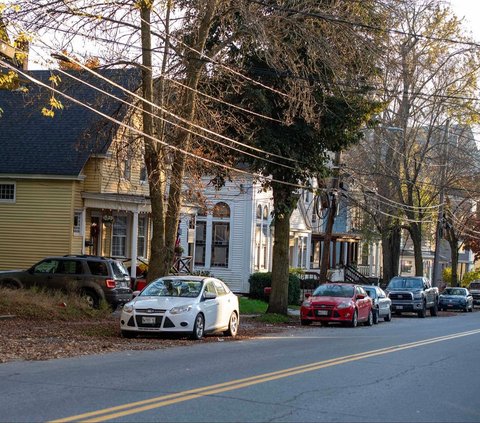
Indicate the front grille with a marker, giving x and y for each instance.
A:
(402, 296)
(322, 306)
(156, 323)
(150, 310)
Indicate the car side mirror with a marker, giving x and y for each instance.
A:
(135, 293)
(30, 270)
(308, 295)
(360, 296)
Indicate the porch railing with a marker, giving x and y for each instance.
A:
(182, 265)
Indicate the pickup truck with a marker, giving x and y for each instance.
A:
(413, 294)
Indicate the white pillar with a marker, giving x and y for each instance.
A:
(133, 245)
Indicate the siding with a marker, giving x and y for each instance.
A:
(92, 172)
(111, 171)
(38, 224)
(77, 241)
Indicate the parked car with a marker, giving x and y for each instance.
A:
(455, 298)
(194, 305)
(474, 289)
(381, 303)
(96, 278)
(337, 302)
(413, 294)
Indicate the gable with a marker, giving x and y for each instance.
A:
(33, 144)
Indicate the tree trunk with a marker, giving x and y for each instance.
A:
(187, 110)
(325, 264)
(453, 242)
(152, 158)
(280, 256)
(415, 230)
(390, 253)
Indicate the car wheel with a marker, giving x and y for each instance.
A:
(305, 322)
(9, 284)
(423, 312)
(434, 310)
(369, 321)
(198, 327)
(232, 325)
(354, 321)
(376, 314)
(128, 334)
(92, 299)
(388, 317)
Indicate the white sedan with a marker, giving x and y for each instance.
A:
(192, 304)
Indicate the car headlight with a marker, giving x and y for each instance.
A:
(417, 296)
(343, 305)
(128, 308)
(181, 309)
(306, 303)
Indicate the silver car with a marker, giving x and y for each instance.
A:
(381, 303)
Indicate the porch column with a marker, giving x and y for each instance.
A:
(133, 245)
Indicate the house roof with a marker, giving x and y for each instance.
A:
(32, 144)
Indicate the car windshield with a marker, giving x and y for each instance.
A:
(475, 285)
(405, 283)
(334, 291)
(454, 291)
(173, 288)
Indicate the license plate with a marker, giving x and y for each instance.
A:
(399, 307)
(322, 312)
(147, 320)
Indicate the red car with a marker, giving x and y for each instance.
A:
(337, 302)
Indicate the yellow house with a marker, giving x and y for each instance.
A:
(74, 183)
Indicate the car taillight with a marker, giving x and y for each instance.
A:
(110, 283)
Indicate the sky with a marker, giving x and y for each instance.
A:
(470, 11)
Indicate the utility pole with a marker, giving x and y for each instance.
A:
(325, 264)
(437, 271)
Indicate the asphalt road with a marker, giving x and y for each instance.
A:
(410, 369)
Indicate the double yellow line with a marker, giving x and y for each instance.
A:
(164, 400)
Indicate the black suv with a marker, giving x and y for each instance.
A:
(96, 278)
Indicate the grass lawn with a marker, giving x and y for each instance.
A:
(250, 306)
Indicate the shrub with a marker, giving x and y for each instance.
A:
(259, 281)
(447, 275)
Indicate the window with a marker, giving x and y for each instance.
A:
(406, 266)
(262, 236)
(220, 235)
(200, 243)
(220, 243)
(70, 267)
(127, 163)
(77, 222)
(212, 237)
(142, 236)
(46, 266)
(7, 192)
(98, 268)
(119, 237)
(143, 175)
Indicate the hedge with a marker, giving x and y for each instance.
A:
(259, 281)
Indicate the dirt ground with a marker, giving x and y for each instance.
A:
(22, 339)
